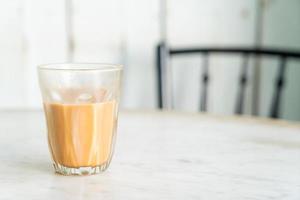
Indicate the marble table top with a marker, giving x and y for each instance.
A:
(160, 155)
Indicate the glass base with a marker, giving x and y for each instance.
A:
(80, 171)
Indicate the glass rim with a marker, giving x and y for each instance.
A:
(80, 67)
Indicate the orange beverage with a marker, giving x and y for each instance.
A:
(80, 135)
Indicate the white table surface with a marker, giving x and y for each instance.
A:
(160, 156)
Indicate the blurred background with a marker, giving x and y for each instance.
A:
(35, 32)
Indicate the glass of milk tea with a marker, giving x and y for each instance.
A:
(81, 108)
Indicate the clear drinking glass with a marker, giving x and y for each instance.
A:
(81, 109)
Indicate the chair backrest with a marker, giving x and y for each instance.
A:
(163, 53)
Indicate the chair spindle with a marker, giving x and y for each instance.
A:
(205, 80)
(278, 89)
(242, 85)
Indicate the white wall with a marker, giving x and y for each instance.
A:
(34, 32)
(12, 55)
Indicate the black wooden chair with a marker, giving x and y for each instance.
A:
(163, 53)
